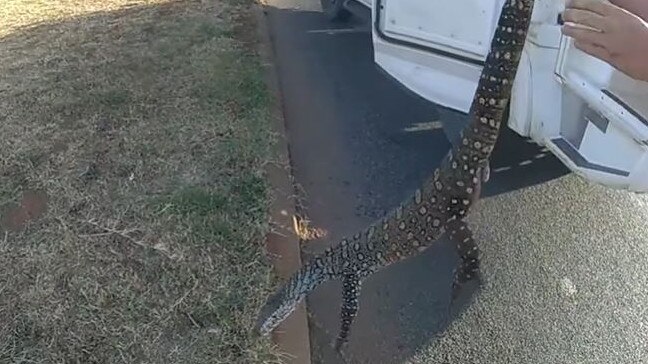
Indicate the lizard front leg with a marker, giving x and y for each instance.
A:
(350, 306)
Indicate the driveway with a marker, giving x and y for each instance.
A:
(563, 260)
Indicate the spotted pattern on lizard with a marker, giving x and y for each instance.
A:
(438, 207)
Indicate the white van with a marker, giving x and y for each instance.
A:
(591, 116)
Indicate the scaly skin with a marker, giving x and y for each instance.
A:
(437, 207)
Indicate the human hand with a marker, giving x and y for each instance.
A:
(636, 7)
(609, 33)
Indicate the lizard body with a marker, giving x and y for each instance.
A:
(438, 207)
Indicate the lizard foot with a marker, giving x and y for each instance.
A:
(350, 306)
(465, 281)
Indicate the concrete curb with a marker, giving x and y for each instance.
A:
(283, 245)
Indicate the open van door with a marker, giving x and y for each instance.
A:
(591, 116)
(436, 48)
(603, 133)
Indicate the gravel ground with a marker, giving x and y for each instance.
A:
(565, 280)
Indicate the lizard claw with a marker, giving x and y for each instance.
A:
(465, 280)
(339, 344)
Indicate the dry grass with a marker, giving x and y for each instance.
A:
(145, 123)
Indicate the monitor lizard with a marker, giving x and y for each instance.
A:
(438, 207)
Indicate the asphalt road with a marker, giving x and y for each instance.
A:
(564, 261)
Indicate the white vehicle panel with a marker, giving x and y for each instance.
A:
(456, 26)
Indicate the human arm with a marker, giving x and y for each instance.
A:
(613, 34)
(637, 7)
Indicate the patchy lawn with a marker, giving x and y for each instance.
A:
(133, 137)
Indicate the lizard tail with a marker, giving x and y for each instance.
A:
(283, 303)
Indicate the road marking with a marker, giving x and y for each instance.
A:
(501, 169)
(430, 125)
(337, 31)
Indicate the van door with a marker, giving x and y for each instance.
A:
(435, 47)
(605, 136)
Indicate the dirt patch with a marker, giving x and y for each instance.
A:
(33, 205)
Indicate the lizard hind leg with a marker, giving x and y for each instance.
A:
(460, 234)
(350, 305)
